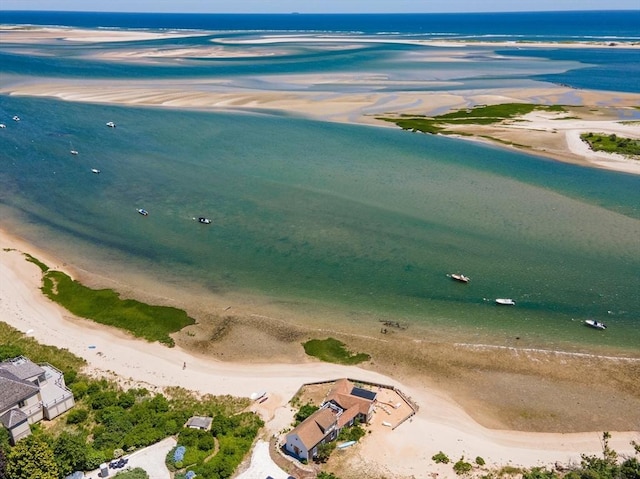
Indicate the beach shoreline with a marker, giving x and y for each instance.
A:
(475, 399)
(117, 355)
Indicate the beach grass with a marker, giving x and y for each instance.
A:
(15, 343)
(612, 143)
(479, 115)
(331, 350)
(153, 323)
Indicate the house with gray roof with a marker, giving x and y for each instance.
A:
(30, 393)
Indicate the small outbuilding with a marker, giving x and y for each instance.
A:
(199, 422)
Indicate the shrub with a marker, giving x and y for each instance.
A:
(77, 416)
(480, 461)
(178, 454)
(462, 467)
(79, 389)
(9, 351)
(206, 443)
(440, 458)
(305, 411)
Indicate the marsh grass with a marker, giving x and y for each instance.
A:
(479, 115)
(153, 323)
(333, 351)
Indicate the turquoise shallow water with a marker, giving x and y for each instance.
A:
(363, 219)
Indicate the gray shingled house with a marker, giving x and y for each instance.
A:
(30, 393)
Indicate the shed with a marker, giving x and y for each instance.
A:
(199, 422)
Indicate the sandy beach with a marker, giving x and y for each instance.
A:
(475, 400)
(441, 424)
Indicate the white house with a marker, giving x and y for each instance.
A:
(30, 393)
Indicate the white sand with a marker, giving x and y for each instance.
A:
(440, 424)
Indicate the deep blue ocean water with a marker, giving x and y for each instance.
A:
(533, 26)
(365, 220)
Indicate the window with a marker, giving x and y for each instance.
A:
(22, 404)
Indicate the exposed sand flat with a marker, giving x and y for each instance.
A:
(552, 136)
(439, 425)
(22, 34)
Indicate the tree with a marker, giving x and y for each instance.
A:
(32, 458)
(305, 411)
(324, 451)
(70, 451)
(3, 465)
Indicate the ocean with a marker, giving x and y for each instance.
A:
(364, 221)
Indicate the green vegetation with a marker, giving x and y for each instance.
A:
(326, 475)
(153, 323)
(331, 350)
(479, 115)
(440, 458)
(353, 433)
(304, 412)
(14, 343)
(108, 422)
(609, 466)
(31, 458)
(612, 143)
(43, 267)
(462, 467)
(136, 473)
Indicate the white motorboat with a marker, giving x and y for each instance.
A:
(204, 221)
(595, 324)
(95, 170)
(142, 211)
(16, 118)
(111, 124)
(506, 301)
(459, 277)
(2, 125)
(74, 152)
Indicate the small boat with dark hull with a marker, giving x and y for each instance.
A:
(143, 212)
(592, 323)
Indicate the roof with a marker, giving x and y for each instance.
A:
(343, 395)
(313, 429)
(363, 393)
(200, 422)
(12, 418)
(13, 389)
(22, 367)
